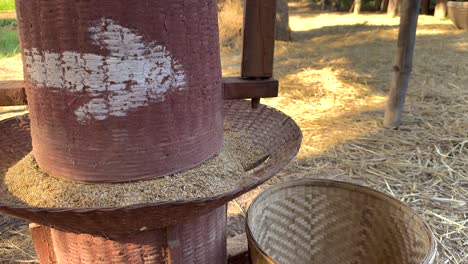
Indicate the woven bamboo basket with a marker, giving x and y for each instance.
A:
(458, 13)
(322, 221)
(199, 223)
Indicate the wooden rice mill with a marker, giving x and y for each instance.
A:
(127, 90)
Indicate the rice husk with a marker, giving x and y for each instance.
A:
(26, 183)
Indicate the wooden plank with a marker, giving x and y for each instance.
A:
(12, 93)
(43, 244)
(403, 63)
(238, 88)
(259, 38)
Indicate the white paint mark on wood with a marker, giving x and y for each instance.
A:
(133, 75)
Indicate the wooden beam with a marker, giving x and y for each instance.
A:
(403, 63)
(238, 88)
(12, 93)
(259, 39)
(43, 244)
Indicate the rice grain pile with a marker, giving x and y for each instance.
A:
(25, 183)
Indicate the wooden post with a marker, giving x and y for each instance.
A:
(377, 5)
(259, 39)
(43, 244)
(357, 7)
(425, 7)
(440, 10)
(394, 7)
(403, 63)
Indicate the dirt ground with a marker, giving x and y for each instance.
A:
(334, 78)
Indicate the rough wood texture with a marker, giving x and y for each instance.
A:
(12, 93)
(238, 88)
(259, 39)
(43, 244)
(393, 8)
(402, 64)
(132, 92)
(282, 29)
(440, 10)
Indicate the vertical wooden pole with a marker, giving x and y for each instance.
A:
(259, 41)
(43, 244)
(403, 63)
(425, 7)
(378, 5)
(440, 10)
(394, 7)
(384, 5)
(357, 7)
(259, 38)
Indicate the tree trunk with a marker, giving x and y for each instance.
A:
(282, 30)
(377, 5)
(357, 7)
(425, 7)
(384, 5)
(403, 63)
(440, 10)
(394, 7)
(352, 7)
(323, 5)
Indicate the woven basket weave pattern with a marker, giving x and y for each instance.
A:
(201, 240)
(316, 223)
(277, 133)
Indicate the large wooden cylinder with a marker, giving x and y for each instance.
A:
(121, 90)
(198, 240)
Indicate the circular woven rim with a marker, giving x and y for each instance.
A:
(282, 150)
(428, 259)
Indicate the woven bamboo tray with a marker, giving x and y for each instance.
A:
(271, 130)
(322, 221)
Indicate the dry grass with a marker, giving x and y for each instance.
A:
(334, 80)
(230, 23)
(15, 242)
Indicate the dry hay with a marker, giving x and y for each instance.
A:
(15, 242)
(11, 68)
(26, 183)
(333, 83)
(11, 111)
(230, 23)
